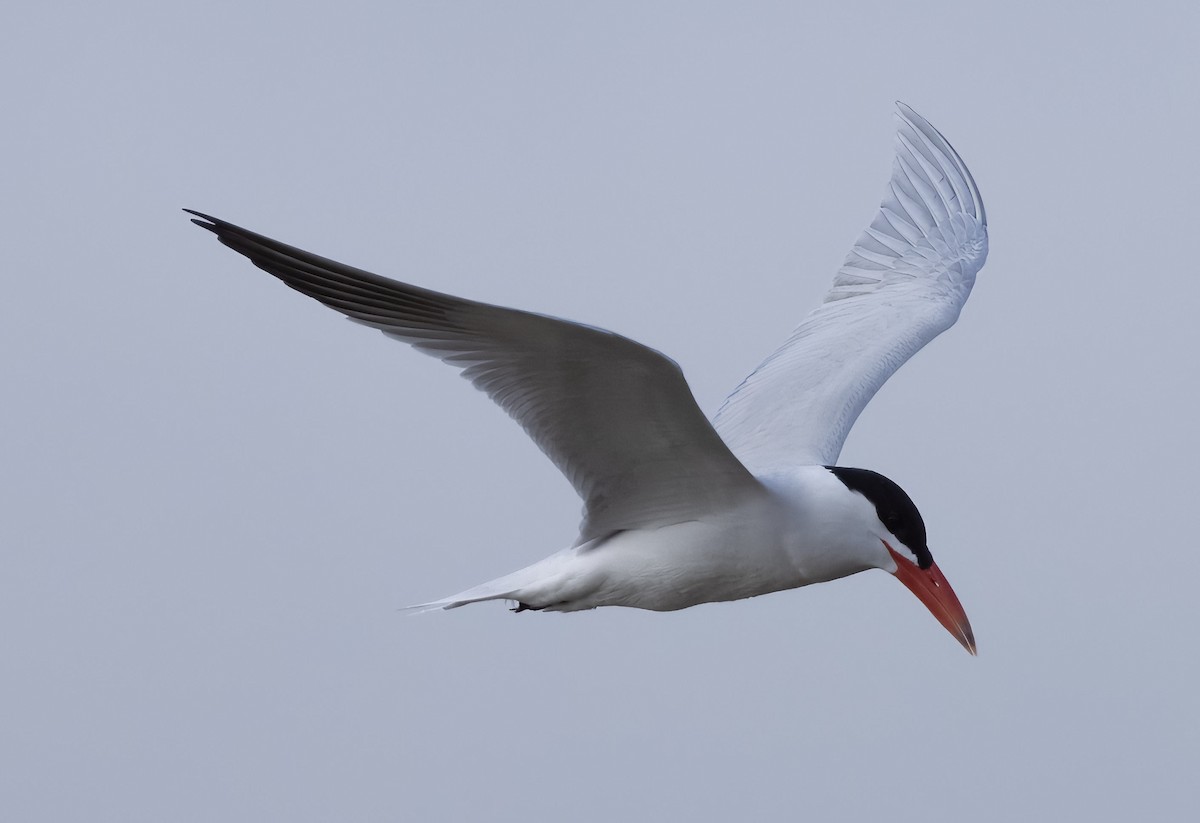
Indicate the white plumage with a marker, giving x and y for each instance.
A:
(678, 511)
(902, 284)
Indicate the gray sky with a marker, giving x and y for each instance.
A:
(215, 493)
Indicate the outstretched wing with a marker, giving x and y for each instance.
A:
(902, 284)
(616, 417)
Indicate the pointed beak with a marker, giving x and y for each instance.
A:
(931, 588)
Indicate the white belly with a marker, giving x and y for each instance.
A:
(668, 568)
(792, 535)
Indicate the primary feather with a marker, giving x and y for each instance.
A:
(903, 283)
(616, 417)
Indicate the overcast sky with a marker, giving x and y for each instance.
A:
(215, 493)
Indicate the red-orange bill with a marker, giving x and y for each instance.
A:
(933, 589)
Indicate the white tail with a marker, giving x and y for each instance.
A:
(523, 585)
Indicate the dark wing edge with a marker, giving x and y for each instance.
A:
(616, 417)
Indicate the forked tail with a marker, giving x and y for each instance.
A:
(523, 585)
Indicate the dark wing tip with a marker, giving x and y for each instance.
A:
(206, 222)
(378, 301)
(224, 229)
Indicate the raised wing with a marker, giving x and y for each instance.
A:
(902, 284)
(616, 417)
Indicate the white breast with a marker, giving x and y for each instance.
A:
(795, 534)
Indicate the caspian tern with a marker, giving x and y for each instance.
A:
(679, 511)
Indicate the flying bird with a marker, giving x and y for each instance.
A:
(679, 510)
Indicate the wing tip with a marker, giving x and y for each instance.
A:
(203, 220)
(907, 116)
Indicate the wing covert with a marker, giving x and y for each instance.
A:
(616, 417)
(903, 282)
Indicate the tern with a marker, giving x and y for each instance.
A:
(679, 510)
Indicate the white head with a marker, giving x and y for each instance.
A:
(902, 549)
